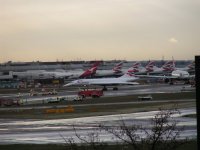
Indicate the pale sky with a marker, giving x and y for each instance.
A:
(50, 30)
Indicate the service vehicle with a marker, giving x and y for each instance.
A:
(148, 97)
(94, 93)
(53, 100)
(49, 92)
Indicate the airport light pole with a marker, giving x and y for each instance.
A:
(197, 78)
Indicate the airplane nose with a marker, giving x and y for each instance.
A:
(68, 84)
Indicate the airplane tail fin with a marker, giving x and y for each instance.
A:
(169, 65)
(192, 65)
(91, 71)
(136, 65)
(134, 68)
(117, 68)
(150, 66)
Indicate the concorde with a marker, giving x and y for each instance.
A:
(126, 79)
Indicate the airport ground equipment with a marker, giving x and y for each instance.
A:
(44, 92)
(94, 93)
(9, 102)
(148, 97)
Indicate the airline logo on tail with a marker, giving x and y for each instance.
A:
(169, 66)
(91, 71)
(118, 67)
(136, 65)
(149, 69)
(192, 65)
(149, 66)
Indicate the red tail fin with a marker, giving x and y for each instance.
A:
(149, 66)
(136, 65)
(169, 65)
(118, 67)
(91, 71)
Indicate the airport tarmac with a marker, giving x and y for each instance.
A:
(52, 131)
(40, 131)
(70, 93)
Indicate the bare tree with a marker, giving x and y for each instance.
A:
(90, 141)
(163, 134)
(127, 134)
(70, 144)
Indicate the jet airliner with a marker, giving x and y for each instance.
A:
(126, 79)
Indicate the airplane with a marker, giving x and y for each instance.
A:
(168, 67)
(174, 75)
(87, 73)
(138, 69)
(31, 74)
(189, 68)
(126, 79)
(116, 71)
(180, 75)
(44, 74)
(6, 76)
(41, 74)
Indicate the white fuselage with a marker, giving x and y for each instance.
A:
(105, 81)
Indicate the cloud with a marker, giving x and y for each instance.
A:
(173, 40)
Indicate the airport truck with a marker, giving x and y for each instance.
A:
(94, 93)
(148, 97)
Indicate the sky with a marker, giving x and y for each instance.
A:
(50, 30)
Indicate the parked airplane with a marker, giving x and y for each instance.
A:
(168, 67)
(189, 68)
(180, 75)
(116, 71)
(32, 74)
(4, 76)
(43, 74)
(138, 69)
(126, 79)
(174, 75)
(87, 73)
